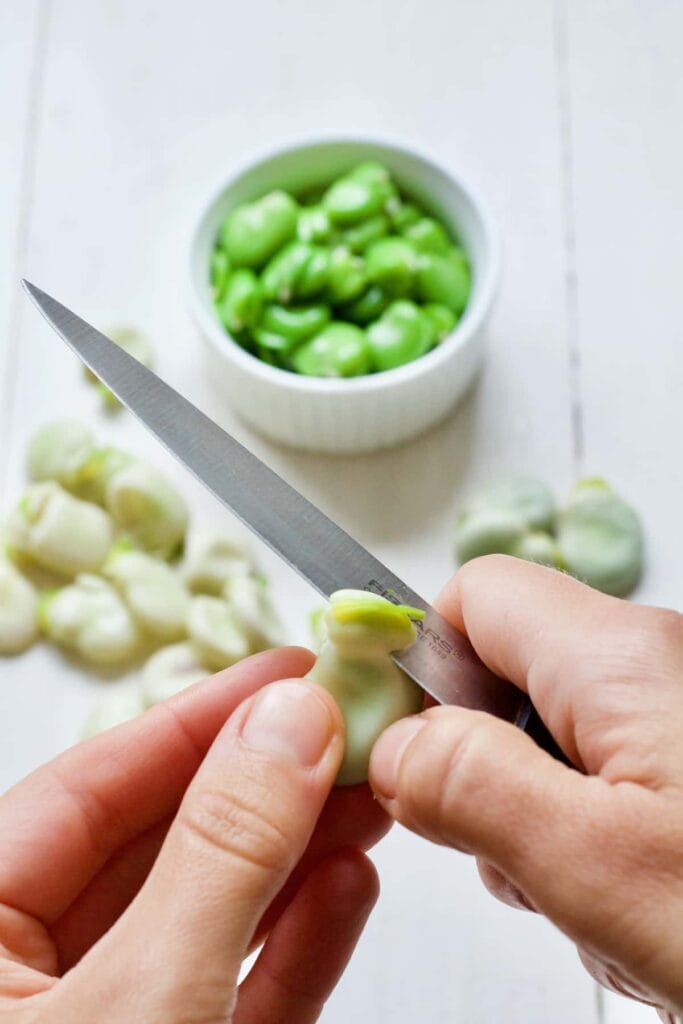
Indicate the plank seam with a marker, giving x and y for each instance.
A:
(26, 196)
(568, 202)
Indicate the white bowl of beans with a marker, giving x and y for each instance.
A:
(342, 287)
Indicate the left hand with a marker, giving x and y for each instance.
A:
(138, 869)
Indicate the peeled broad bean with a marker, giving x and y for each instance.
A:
(368, 306)
(58, 532)
(441, 318)
(58, 450)
(242, 301)
(112, 709)
(392, 263)
(219, 272)
(168, 671)
(152, 591)
(339, 350)
(372, 172)
(346, 276)
(294, 323)
(444, 279)
(147, 507)
(360, 236)
(90, 480)
(251, 233)
(296, 271)
(492, 531)
(403, 215)
(601, 539)
(254, 612)
(89, 617)
(212, 559)
(355, 666)
(18, 605)
(215, 634)
(349, 200)
(313, 224)
(400, 335)
(427, 235)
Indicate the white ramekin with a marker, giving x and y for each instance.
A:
(361, 413)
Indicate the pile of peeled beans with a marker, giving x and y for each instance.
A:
(348, 281)
(595, 536)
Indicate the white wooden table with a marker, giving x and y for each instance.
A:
(115, 120)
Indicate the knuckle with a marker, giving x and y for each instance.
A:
(235, 826)
(444, 773)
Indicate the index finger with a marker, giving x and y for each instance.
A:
(62, 823)
(560, 641)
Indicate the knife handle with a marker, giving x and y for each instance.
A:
(533, 725)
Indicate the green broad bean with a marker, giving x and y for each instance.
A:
(356, 667)
(242, 301)
(294, 324)
(253, 232)
(313, 278)
(346, 277)
(340, 350)
(403, 215)
(391, 263)
(368, 306)
(272, 342)
(441, 318)
(298, 271)
(400, 335)
(313, 224)
(219, 273)
(349, 200)
(528, 498)
(601, 539)
(371, 172)
(360, 236)
(444, 279)
(492, 531)
(539, 547)
(427, 235)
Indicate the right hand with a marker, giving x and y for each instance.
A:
(600, 853)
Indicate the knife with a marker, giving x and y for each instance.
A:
(441, 661)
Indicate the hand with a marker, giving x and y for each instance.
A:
(600, 854)
(137, 869)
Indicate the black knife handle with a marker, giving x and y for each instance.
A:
(530, 721)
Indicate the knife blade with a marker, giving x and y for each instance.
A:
(441, 661)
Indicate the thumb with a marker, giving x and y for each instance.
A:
(465, 779)
(243, 824)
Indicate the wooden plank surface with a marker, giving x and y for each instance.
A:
(624, 100)
(143, 109)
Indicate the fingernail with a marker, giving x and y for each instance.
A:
(388, 752)
(289, 720)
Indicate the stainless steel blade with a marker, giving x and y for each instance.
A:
(442, 661)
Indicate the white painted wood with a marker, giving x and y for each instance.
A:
(625, 100)
(626, 97)
(20, 37)
(618, 1010)
(146, 106)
